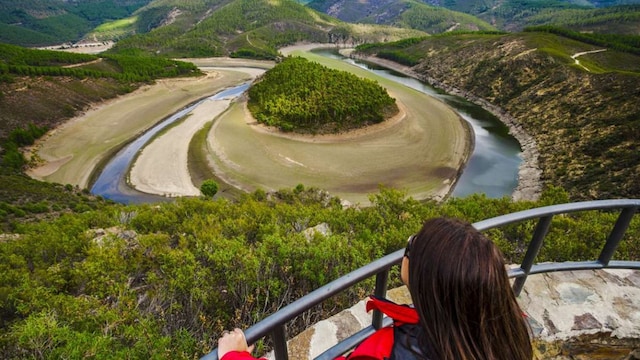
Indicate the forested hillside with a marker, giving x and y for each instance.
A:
(39, 90)
(60, 84)
(511, 15)
(514, 15)
(302, 96)
(251, 28)
(584, 116)
(39, 22)
(611, 20)
(401, 13)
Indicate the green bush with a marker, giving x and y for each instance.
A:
(209, 188)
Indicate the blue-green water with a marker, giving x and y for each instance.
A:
(493, 166)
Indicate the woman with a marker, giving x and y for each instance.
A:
(464, 305)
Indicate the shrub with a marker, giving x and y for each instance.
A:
(209, 188)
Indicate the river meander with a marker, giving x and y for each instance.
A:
(492, 168)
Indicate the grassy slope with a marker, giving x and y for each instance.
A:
(584, 121)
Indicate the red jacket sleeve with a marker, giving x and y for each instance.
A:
(239, 355)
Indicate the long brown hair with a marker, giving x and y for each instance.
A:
(460, 288)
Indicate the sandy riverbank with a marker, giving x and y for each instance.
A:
(161, 168)
(71, 152)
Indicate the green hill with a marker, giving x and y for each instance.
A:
(511, 15)
(39, 23)
(248, 28)
(583, 116)
(401, 13)
(302, 96)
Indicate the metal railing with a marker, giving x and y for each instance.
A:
(274, 325)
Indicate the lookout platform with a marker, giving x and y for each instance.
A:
(587, 309)
(586, 314)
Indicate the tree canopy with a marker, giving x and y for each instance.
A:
(303, 96)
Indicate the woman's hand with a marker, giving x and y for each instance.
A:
(232, 341)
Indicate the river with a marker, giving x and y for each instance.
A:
(111, 183)
(492, 168)
(494, 164)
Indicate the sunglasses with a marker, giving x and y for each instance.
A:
(407, 250)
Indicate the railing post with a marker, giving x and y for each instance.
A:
(382, 279)
(532, 251)
(280, 343)
(616, 235)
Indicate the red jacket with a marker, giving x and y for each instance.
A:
(239, 355)
(394, 342)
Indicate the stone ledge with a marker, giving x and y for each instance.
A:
(591, 314)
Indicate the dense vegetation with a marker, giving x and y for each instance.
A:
(303, 96)
(511, 15)
(154, 281)
(25, 200)
(243, 28)
(247, 28)
(609, 20)
(584, 118)
(15, 60)
(39, 23)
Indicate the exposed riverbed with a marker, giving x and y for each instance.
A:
(493, 168)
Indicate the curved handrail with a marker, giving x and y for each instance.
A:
(274, 324)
